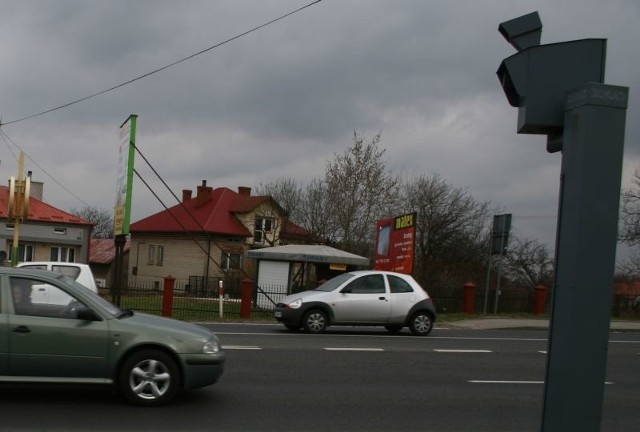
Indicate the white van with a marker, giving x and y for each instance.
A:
(80, 272)
(46, 294)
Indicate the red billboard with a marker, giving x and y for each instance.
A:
(395, 243)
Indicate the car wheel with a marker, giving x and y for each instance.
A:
(149, 378)
(421, 324)
(393, 328)
(315, 321)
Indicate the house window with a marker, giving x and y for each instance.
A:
(25, 252)
(231, 260)
(61, 231)
(263, 226)
(156, 255)
(63, 254)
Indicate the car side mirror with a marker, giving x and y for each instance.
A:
(87, 314)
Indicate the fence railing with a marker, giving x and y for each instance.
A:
(201, 302)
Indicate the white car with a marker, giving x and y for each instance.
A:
(80, 272)
(393, 300)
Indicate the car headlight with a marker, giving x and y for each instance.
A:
(211, 347)
(295, 304)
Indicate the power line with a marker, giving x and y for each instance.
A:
(163, 67)
(175, 218)
(6, 137)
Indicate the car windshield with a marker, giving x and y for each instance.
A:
(106, 306)
(334, 283)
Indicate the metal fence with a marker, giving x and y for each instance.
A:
(192, 300)
(200, 300)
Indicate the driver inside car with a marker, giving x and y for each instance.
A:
(21, 291)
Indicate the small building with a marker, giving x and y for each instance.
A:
(102, 260)
(283, 270)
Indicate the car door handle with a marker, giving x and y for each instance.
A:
(382, 298)
(22, 329)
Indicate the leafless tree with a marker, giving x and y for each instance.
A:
(287, 193)
(101, 218)
(630, 214)
(451, 231)
(360, 189)
(529, 263)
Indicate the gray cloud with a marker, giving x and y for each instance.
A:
(282, 101)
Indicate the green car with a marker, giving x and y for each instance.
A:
(54, 330)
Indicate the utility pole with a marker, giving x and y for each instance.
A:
(18, 211)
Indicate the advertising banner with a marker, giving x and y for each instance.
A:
(122, 213)
(395, 244)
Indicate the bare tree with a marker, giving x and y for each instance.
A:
(451, 231)
(529, 263)
(287, 193)
(101, 218)
(360, 190)
(630, 214)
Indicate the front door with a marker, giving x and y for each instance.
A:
(364, 299)
(46, 340)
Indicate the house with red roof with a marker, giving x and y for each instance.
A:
(205, 238)
(47, 234)
(102, 260)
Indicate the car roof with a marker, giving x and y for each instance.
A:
(20, 271)
(365, 272)
(60, 263)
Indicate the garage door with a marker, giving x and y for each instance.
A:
(273, 280)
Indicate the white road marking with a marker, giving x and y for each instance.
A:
(462, 351)
(513, 382)
(240, 347)
(504, 382)
(354, 349)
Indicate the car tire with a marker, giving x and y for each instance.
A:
(315, 321)
(393, 328)
(421, 323)
(149, 378)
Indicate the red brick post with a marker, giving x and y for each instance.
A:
(167, 295)
(469, 297)
(245, 302)
(539, 299)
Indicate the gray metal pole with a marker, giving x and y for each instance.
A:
(486, 287)
(592, 150)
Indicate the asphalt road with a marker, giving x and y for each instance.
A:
(346, 380)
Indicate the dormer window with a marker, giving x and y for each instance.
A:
(264, 225)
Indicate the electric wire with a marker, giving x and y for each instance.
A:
(6, 137)
(177, 220)
(160, 69)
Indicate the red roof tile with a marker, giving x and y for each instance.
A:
(40, 211)
(103, 251)
(215, 215)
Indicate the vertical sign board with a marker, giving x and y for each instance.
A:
(122, 214)
(500, 234)
(395, 244)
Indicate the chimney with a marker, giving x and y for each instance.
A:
(244, 191)
(186, 195)
(37, 188)
(203, 194)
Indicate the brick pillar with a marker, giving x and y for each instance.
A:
(167, 296)
(245, 302)
(469, 297)
(539, 299)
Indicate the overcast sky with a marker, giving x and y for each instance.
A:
(282, 101)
